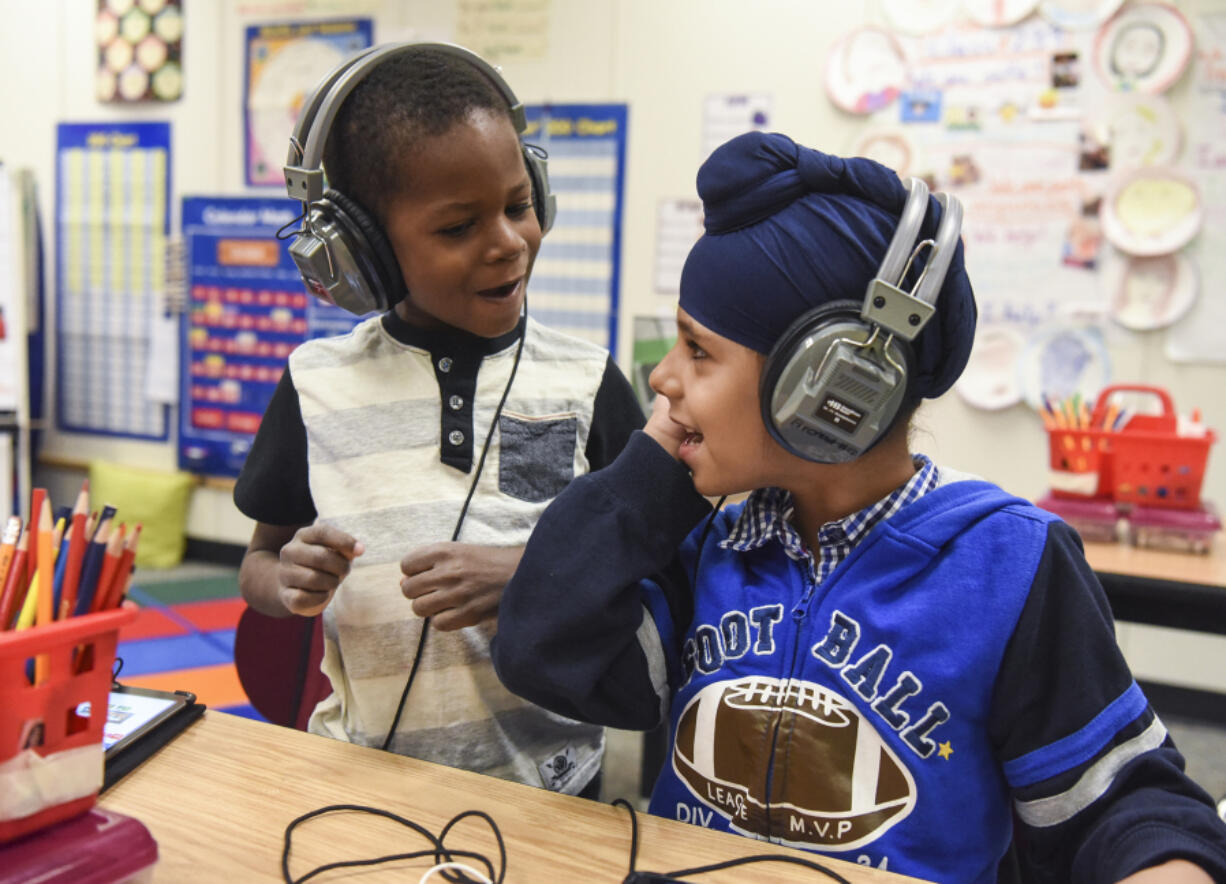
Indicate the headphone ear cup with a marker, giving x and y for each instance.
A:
(819, 324)
(371, 250)
(544, 203)
(781, 354)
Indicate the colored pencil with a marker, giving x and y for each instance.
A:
(14, 591)
(91, 567)
(46, 564)
(8, 545)
(1109, 418)
(45, 612)
(130, 569)
(76, 552)
(38, 497)
(1057, 414)
(110, 564)
(29, 608)
(123, 574)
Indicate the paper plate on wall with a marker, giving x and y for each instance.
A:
(1138, 129)
(865, 70)
(890, 147)
(990, 379)
(1145, 48)
(919, 16)
(1078, 15)
(1153, 210)
(1148, 293)
(998, 13)
(1059, 361)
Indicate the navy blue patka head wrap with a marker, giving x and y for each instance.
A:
(789, 229)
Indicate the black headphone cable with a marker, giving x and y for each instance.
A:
(425, 624)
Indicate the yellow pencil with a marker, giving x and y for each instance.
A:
(25, 619)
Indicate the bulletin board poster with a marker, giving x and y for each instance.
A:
(112, 198)
(283, 64)
(575, 280)
(246, 312)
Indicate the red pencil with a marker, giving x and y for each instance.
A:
(123, 574)
(38, 497)
(15, 584)
(110, 565)
(76, 552)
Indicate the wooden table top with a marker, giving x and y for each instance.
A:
(1154, 564)
(218, 797)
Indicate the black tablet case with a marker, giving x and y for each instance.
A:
(124, 762)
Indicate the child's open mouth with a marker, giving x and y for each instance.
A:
(690, 444)
(502, 291)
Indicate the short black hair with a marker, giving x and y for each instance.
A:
(409, 96)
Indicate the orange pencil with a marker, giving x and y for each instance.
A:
(15, 584)
(1109, 418)
(8, 545)
(123, 574)
(110, 565)
(76, 552)
(44, 613)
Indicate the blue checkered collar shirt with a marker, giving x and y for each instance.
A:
(768, 512)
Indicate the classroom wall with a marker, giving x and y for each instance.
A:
(662, 58)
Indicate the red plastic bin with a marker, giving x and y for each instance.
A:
(1146, 462)
(51, 707)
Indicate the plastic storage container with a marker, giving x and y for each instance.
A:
(1179, 530)
(1097, 521)
(97, 847)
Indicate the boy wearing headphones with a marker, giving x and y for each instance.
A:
(398, 470)
(871, 656)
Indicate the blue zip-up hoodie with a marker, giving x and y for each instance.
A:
(952, 687)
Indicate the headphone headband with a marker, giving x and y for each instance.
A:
(885, 303)
(304, 178)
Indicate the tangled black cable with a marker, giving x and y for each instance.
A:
(439, 851)
(713, 867)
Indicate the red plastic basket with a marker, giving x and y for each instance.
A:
(1145, 462)
(85, 643)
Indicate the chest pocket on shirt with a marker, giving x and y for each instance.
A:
(536, 455)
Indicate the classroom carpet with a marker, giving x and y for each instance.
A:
(183, 636)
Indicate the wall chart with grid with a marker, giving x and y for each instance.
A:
(574, 285)
(112, 189)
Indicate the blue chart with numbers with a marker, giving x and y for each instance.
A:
(246, 312)
(574, 286)
(112, 188)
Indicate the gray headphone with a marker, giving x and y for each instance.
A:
(834, 382)
(341, 251)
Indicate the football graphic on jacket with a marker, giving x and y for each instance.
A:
(833, 782)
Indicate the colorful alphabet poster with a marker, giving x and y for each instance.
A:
(284, 62)
(246, 312)
(574, 284)
(112, 191)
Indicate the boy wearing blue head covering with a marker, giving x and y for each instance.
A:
(871, 656)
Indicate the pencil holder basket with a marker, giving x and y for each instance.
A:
(51, 757)
(1146, 462)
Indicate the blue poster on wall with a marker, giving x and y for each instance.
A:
(246, 312)
(575, 279)
(111, 214)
